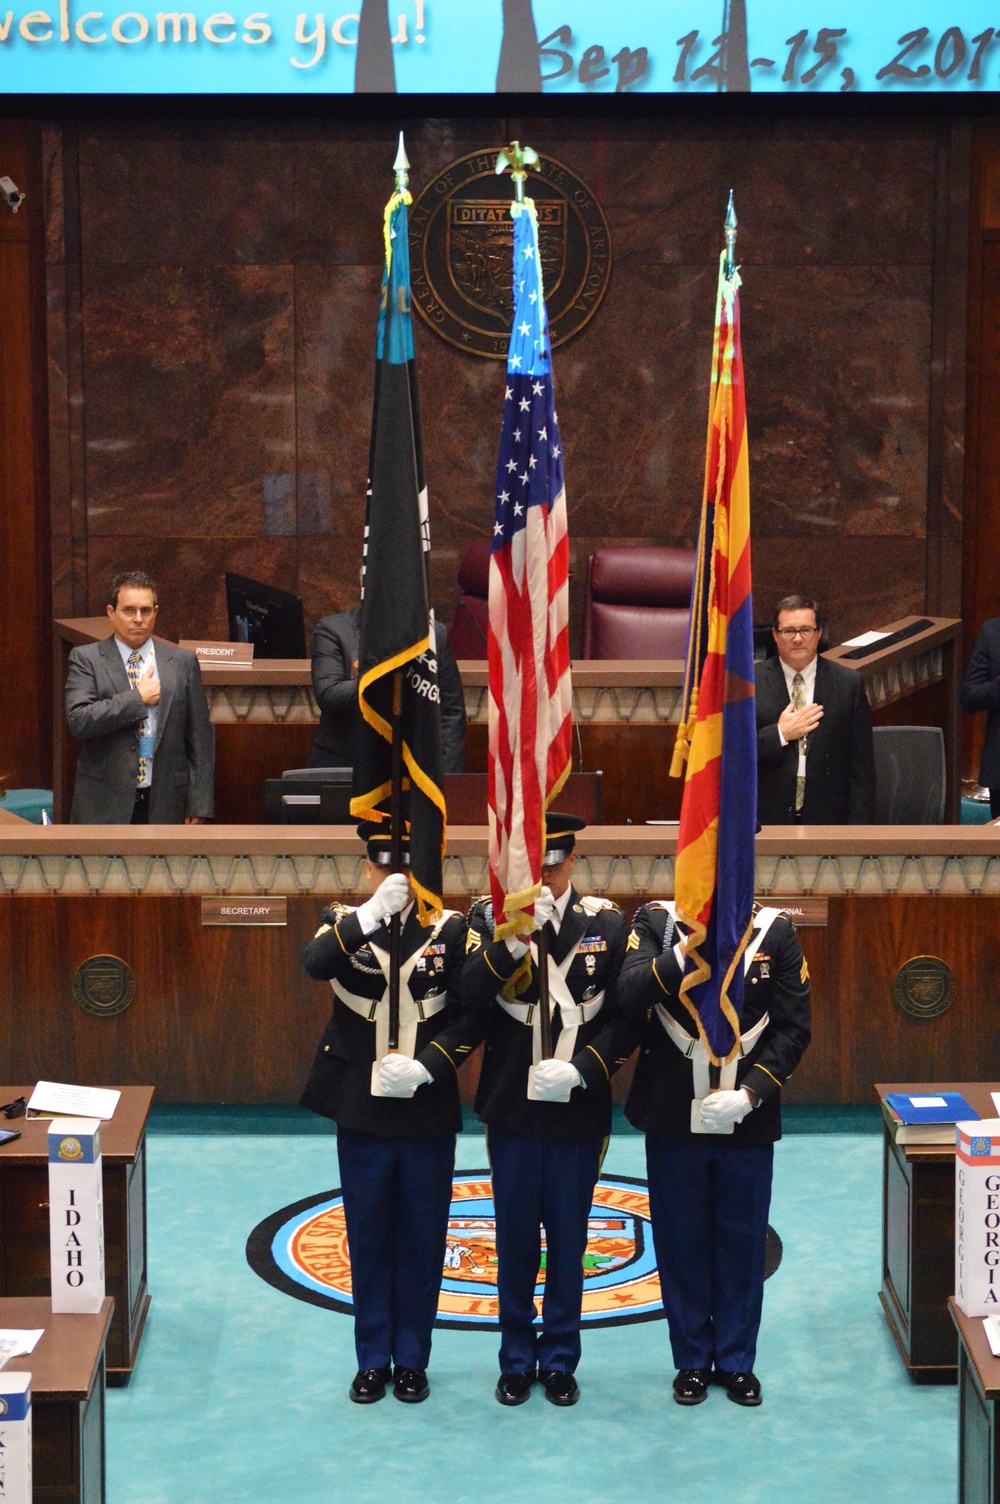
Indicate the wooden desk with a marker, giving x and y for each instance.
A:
(625, 714)
(978, 1392)
(918, 1238)
(24, 1221)
(67, 1399)
(225, 1014)
(915, 683)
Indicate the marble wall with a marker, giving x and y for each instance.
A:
(212, 292)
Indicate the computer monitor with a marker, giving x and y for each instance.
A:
(269, 618)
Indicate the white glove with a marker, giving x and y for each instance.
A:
(390, 897)
(545, 908)
(517, 946)
(400, 1076)
(720, 1108)
(554, 1078)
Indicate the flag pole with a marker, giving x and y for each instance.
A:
(730, 225)
(401, 169)
(519, 158)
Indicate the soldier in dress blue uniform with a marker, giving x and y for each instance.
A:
(547, 1120)
(397, 1115)
(710, 1153)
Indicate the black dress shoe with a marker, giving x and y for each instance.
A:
(514, 1388)
(369, 1385)
(742, 1388)
(410, 1385)
(691, 1385)
(561, 1388)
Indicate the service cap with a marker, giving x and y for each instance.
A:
(560, 836)
(378, 841)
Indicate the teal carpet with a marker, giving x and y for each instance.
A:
(240, 1393)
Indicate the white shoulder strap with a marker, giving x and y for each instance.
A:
(765, 918)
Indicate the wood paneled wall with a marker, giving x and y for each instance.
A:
(228, 1015)
(981, 502)
(25, 551)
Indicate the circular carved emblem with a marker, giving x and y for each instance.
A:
(103, 986)
(302, 1250)
(924, 987)
(461, 235)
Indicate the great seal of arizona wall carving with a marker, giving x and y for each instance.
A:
(460, 252)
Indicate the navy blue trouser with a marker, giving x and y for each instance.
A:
(397, 1196)
(708, 1203)
(541, 1182)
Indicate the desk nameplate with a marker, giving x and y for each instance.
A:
(813, 912)
(248, 911)
(220, 654)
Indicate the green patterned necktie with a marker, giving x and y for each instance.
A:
(134, 670)
(799, 701)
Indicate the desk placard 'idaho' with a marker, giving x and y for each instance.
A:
(15, 1437)
(977, 1217)
(76, 1215)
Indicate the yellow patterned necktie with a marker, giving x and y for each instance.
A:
(799, 701)
(134, 670)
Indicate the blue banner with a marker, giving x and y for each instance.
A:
(498, 46)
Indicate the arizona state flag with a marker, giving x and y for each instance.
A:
(397, 623)
(716, 747)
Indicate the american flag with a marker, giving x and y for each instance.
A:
(530, 706)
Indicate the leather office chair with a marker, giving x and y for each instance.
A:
(467, 633)
(909, 775)
(637, 602)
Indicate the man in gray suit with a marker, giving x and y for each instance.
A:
(138, 710)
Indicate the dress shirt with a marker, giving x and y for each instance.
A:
(147, 655)
(560, 913)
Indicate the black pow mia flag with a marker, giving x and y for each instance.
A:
(397, 623)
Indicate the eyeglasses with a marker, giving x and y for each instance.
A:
(144, 611)
(14, 1109)
(787, 632)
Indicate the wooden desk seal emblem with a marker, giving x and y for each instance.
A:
(103, 986)
(924, 987)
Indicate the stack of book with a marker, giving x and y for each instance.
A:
(927, 1119)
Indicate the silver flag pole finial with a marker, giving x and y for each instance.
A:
(730, 225)
(401, 167)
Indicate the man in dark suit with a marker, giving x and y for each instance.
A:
(138, 710)
(815, 756)
(397, 1115)
(547, 1120)
(710, 1152)
(980, 690)
(336, 640)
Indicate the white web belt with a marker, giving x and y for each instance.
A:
(571, 1014)
(412, 1011)
(693, 1049)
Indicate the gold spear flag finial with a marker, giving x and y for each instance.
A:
(518, 158)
